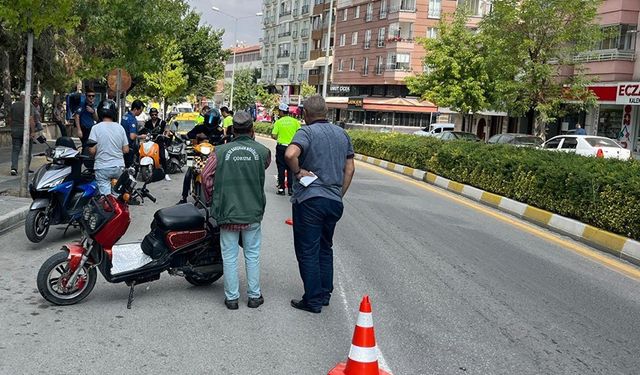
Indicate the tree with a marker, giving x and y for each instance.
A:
(170, 82)
(268, 100)
(307, 90)
(527, 43)
(456, 75)
(245, 89)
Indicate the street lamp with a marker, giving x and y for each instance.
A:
(326, 57)
(235, 31)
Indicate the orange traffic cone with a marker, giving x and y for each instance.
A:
(289, 221)
(363, 356)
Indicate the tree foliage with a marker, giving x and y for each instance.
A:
(170, 81)
(307, 90)
(244, 92)
(268, 100)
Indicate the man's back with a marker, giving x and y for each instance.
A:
(111, 138)
(325, 149)
(285, 128)
(17, 118)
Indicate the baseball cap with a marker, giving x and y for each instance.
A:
(283, 107)
(137, 104)
(153, 110)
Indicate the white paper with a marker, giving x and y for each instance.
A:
(307, 180)
(127, 257)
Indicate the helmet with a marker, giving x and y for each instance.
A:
(213, 117)
(107, 108)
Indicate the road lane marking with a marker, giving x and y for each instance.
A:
(593, 255)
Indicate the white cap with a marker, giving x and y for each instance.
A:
(283, 107)
(23, 93)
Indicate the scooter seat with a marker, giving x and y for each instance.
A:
(180, 217)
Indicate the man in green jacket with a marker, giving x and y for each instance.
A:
(237, 204)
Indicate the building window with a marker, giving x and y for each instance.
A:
(432, 32)
(353, 64)
(474, 6)
(341, 65)
(369, 15)
(379, 65)
(367, 39)
(357, 15)
(381, 32)
(383, 9)
(365, 67)
(354, 38)
(435, 8)
(345, 14)
(283, 71)
(399, 61)
(283, 49)
(622, 37)
(343, 40)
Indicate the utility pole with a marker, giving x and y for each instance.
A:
(326, 57)
(26, 138)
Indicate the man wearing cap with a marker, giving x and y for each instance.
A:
(283, 131)
(130, 125)
(238, 202)
(155, 125)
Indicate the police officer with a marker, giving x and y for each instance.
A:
(283, 131)
(130, 125)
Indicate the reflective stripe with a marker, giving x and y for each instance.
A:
(365, 320)
(363, 355)
(282, 144)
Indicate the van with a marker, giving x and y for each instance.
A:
(434, 129)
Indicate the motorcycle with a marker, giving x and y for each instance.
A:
(183, 241)
(196, 162)
(149, 154)
(177, 151)
(59, 190)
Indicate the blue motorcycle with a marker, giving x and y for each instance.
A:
(60, 189)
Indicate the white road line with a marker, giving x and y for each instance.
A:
(382, 362)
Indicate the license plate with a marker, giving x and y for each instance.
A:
(189, 163)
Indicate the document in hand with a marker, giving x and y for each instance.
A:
(307, 180)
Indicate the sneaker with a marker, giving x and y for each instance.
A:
(232, 304)
(280, 192)
(167, 178)
(255, 302)
(182, 201)
(14, 172)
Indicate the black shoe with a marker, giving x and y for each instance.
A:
(182, 201)
(325, 302)
(255, 302)
(301, 305)
(14, 172)
(290, 192)
(30, 171)
(280, 192)
(232, 304)
(134, 201)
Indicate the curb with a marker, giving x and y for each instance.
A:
(13, 219)
(620, 246)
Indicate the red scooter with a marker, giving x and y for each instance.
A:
(183, 241)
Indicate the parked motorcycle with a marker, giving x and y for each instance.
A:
(59, 190)
(183, 241)
(177, 151)
(149, 153)
(196, 162)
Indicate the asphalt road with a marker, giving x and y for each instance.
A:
(454, 291)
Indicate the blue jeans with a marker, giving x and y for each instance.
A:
(251, 239)
(104, 176)
(314, 221)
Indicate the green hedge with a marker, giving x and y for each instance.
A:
(603, 193)
(263, 127)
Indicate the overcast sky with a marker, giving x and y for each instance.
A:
(249, 30)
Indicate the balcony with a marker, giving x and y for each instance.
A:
(294, 34)
(284, 33)
(605, 55)
(303, 55)
(305, 10)
(398, 42)
(403, 9)
(398, 67)
(283, 54)
(304, 33)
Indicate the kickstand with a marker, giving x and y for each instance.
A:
(67, 228)
(130, 300)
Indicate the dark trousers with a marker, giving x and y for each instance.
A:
(314, 222)
(63, 129)
(186, 183)
(16, 148)
(282, 166)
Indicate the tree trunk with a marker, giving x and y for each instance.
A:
(26, 139)
(531, 119)
(540, 127)
(6, 80)
(464, 121)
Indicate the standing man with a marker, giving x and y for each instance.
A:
(112, 145)
(85, 117)
(58, 117)
(324, 150)
(130, 125)
(237, 204)
(227, 121)
(16, 120)
(283, 131)
(580, 130)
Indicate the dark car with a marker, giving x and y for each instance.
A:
(522, 140)
(455, 135)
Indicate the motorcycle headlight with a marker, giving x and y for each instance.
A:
(205, 150)
(86, 213)
(53, 183)
(93, 221)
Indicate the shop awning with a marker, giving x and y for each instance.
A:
(337, 102)
(399, 105)
(324, 61)
(309, 65)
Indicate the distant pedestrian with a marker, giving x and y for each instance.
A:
(58, 118)
(324, 150)
(580, 130)
(85, 117)
(16, 120)
(238, 202)
(130, 124)
(283, 131)
(37, 112)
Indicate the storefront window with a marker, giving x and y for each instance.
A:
(610, 121)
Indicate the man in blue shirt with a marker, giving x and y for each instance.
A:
(85, 117)
(130, 125)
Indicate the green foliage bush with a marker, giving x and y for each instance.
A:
(602, 192)
(263, 127)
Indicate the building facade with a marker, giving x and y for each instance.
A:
(246, 57)
(319, 60)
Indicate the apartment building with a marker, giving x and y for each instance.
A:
(376, 50)
(246, 57)
(286, 43)
(318, 59)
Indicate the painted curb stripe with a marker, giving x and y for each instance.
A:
(407, 171)
(471, 192)
(567, 225)
(365, 320)
(512, 206)
(491, 198)
(538, 215)
(363, 355)
(455, 186)
(610, 241)
(442, 182)
(377, 162)
(391, 166)
(418, 174)
(631, 249)
(430, 177)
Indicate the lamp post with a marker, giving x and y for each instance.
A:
(326, 57)
(235, 31)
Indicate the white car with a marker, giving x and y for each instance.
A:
(588, 145)
(434, 129)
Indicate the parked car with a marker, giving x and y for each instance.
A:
(434, 129)
(452, 136)
(588, 145)
(521, 140)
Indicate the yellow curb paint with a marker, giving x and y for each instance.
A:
(391, 166)
(456, 186)
(491, 198)
(377, 162)
(408, 171)
(537, 215)
(594, 255)
(611, 241)
(430, 178)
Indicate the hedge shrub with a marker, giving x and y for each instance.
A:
(602, 192)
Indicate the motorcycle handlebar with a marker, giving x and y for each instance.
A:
(146, 193)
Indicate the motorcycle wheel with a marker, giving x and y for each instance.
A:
(36, 225)
(54, 270)
(199, 281)
(172, 168)
(146, 173)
